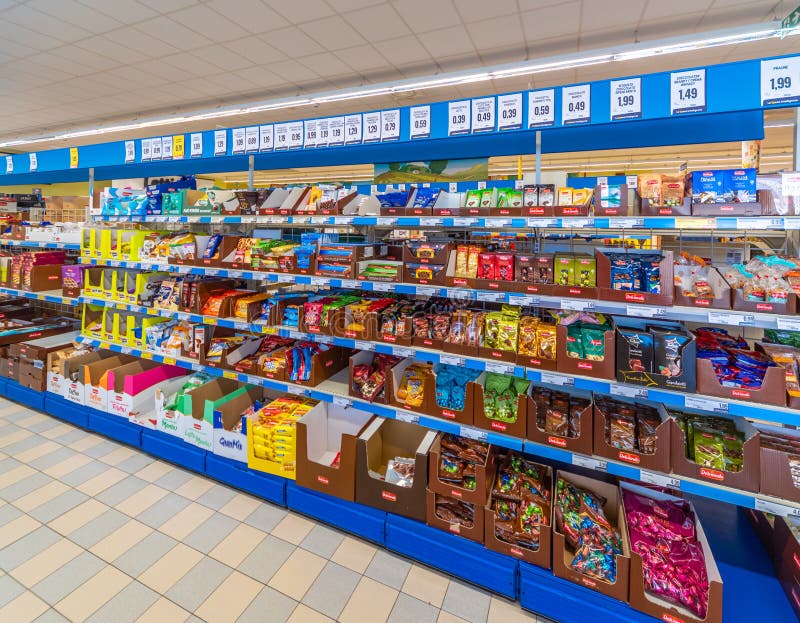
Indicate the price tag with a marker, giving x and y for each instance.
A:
(281, 136)
(628, 390)
(541, 108)
(705, 404)
(146, 149)
(451, 360)
(577, 305)
(542, 222)
(645, 311)
(310, 131)
(767, 506)
(220, 142)
(521, 300)
(590, 462)
(491, 297)
(196, 145)
(464, 222)
(362, 345)
(130, 152)
(458, 118)
(178, 147)
(126, 350)
(452, 187)
(323, 133)
(320, 281)
(474, 433)
(335, 131)
(687, 91)
(352, 129)
(483, 111)
(509, 111)
(602, 180)
(780, 81)
(660, 480)
(155, 148)
(427, 291)
(251, 139)
(759, 222)
(380, 286)
(556, 379)
(625, 223)
(427, 222)
(403, 352)
(265, 137)
(405, 416)
(789, 323)
(9, 164)
(342, 401)
(295, 135)
(372, 127)
(731, 319)
(73, 157)
(500, 368)
(390, 125)
(420, 122)
(632, 181)
(351, 283)
(576, 223)
(791, 223)
(626, 99)
(323, 339)
(576, 104)
(166, 147)
(294, 389)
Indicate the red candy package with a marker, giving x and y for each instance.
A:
(487, 266)
(504, 267)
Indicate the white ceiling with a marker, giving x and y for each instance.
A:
(68, 64)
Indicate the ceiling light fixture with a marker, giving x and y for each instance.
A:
(635, 51)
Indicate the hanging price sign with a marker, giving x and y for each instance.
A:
(541, 108)
(509, 111)
(576, 104)
(458, 118)
(420, 122)
(626, 99)
(687, 91)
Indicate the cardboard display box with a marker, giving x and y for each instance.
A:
(517, 428)
(71, 380)
(776, 469)
(95, 377)
(326, 449)
(562, 556)
(463, 416)
(772, 390)
(581, 444)
(167, 420)
(722, 291)
(473, 533)
(484, 477)
(197, 409)
(366, 357)
(605, 369)
(131, 386)
(394, 381)
(230, 423)
(382, 441)
(606, 291)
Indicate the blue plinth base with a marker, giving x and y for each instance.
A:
(24, 395)
(265, 486)
(65, 410)
(115, 427)
(173, 450)
(3, 383)
(364, 521)
(453, 554)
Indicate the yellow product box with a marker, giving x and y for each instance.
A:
(108, 241)
(565, 196)
(93, 320)
(581, 196)
(90, 242)
(127, 245)
(140, 288)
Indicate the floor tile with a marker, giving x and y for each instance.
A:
(198, 584)
(145, 553)
(89, 597)
(240, 506)
(278, 605)
(371, 601)
(9, 513)
(504, 611)
(266, 559)
(185, 521)
(46, 562)
(65, 467)
(388, 569)
(446, 617)
(117, 543)
(26, 607)
(41, 495)
(304, 614)
(16, 529)
(23, 444)
(354, 554)
(210, 533)
(10, 589)
(266, 517)
(78, 516)
(44, 447)
(170, 568)
(59, 505)
(52, 616)
(158, 514)
(71, 437)
(54, 457)
(293, 528)
(61, 583)
(216, 497)
(466, 602)
(322, 541)
(297, 574)
(220, 607)
(9, 477)
(87, 441)
(109, 478)
(331, 590)
(174, 479)
(408, 609)
(25, 548)
(56, 430)
(101, 449)
(154, 470)
(99, 528)
(426, 585)
(194, 487)
(19, 489)
(115, 457)
(14, 437)
(141, 500)
(124, 489)
(238, 545)
(164, 611)
(135, 464)
(82, 474)
(126, 606)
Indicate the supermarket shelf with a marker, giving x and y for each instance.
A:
(688, 314)
(34, 244)
(48, 296)
(719, 223)
(334, 390)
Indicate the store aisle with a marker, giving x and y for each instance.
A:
(93, 530)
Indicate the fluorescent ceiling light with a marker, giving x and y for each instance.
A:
(624, 53)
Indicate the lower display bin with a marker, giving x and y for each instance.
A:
(236, 474)
(173, 450)
(454, 555)
(64, 410)
(24, 395)
(115, 427)
(364, 521)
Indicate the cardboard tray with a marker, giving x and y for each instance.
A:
(624, 209)
(365, 357)
(727, 209)
(615, 514)
(517, 428)
(788, 308)
(722, 291)
(772, 391)
(484, 477)
(44, 277)
(605, 369)
(776, 472)
(475, 533)
(649, 209)
(463, 416)
(582, 444)
(393, 381)
(607, 293)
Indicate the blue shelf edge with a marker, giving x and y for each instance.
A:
(454, 555)
(24, 395)
(115, 427)
(364, 521)
(173, 450)
(239, 476)
(65, 410)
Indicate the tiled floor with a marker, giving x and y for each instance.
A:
(91, 530)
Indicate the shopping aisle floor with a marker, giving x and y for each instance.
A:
(94, 530)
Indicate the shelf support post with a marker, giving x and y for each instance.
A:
(538, 156)
(91, 193)
(251, 163)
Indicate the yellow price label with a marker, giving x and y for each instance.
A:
(228, 374)
(146, 355)
(178, 146)
(693, 222)
(209, 320)
(170, 361)
(73, 157)
(105, 345)
(269, 330)
(152, 312)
